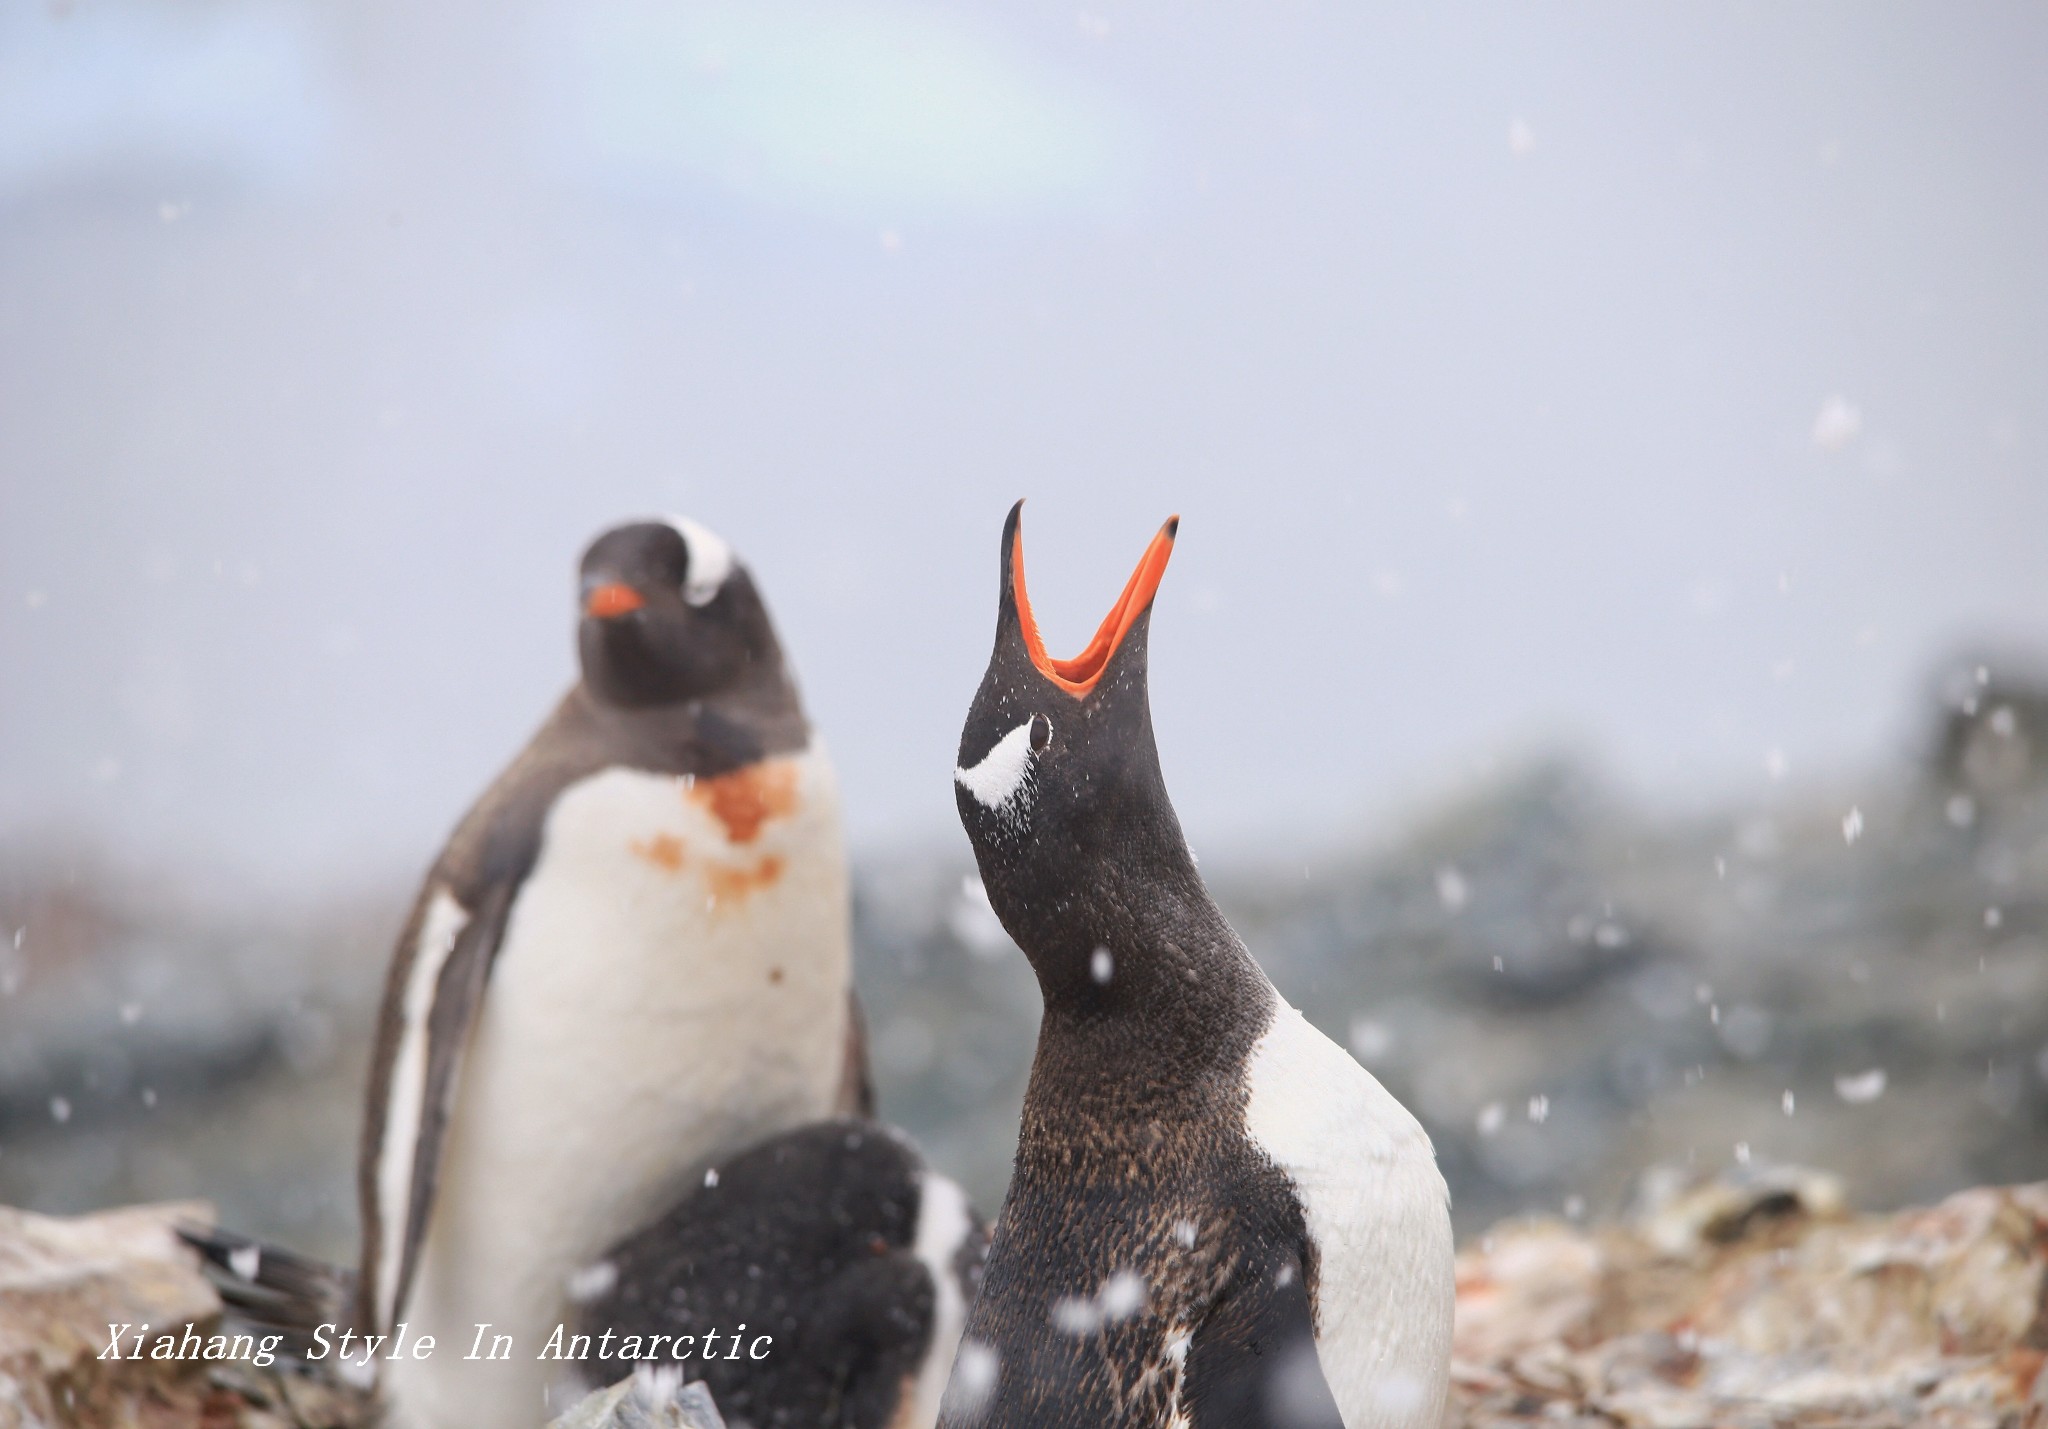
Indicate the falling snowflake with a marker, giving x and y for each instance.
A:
(1371, 1040)
(1839, 423)
(1073, 1315)
(1492, 1117)
(592, 1281)
(1539, 1109)
(975, 1370)
(1122, 1296)
(1852, 825)
(1451, 888)
(1102, 965)
(1861, 1087)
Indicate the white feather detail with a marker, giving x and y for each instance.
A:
(1378, 1214)
(444, 922)
(710, 560)
(1002, 772)
(943, 1225)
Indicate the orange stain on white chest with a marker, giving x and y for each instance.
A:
(743, 803)
(747, 798)
(732, 883)
(664, 851)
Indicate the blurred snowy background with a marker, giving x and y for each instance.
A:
(1599, 667)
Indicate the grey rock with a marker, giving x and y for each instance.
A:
(647, 1399)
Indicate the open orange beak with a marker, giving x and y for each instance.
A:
(1078, 675)
(612, 599)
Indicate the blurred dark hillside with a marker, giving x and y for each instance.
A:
(1568, 990)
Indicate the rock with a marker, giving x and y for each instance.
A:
(648, 1399)
(1775, 1307)
(1756, 1300)
(65, 1280)
(1679, 1214)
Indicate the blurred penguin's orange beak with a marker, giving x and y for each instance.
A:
(613, 599)
(1078, 675)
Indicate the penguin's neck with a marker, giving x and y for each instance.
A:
(763, 702)
(1148, 964)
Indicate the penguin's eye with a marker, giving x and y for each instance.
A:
(1041, 733)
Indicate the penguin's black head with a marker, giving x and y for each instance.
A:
(668, 615)
(1058, 778)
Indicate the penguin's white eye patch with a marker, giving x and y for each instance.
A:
(1005, 769)
(710, 560)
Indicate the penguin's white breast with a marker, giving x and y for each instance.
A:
(1378, 1214)
(672, 986)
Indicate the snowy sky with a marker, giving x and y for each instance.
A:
(1667, 381)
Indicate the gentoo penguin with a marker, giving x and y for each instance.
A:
(818, 1279)
(1217, 1219)
(833, 1252)
(632, 958)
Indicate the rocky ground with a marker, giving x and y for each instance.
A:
(1752, 1299)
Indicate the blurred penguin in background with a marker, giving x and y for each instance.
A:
(630, 961)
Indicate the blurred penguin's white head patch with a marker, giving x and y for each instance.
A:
(710, 560)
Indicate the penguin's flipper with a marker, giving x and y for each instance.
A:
(1253, 1362)
(411, 1103)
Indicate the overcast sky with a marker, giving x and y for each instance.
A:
(1668, 381)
